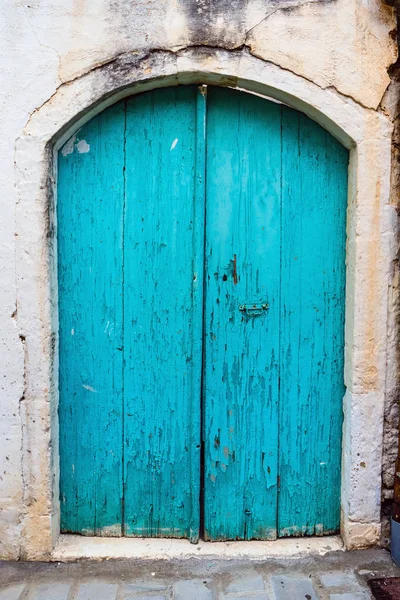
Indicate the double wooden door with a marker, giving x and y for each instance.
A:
(201, 268)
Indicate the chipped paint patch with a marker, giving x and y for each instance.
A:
(89, 388)
(109, 328)
(174, 143)
(83, 147)
(68, 147)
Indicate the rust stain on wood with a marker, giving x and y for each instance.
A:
(234, 269)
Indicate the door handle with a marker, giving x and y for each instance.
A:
(252, 310)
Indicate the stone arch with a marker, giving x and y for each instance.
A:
(370, 234)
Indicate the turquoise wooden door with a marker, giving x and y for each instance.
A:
(201, 307)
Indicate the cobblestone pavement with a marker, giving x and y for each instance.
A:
(335, 576)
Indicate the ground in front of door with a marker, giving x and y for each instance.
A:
(335, 576)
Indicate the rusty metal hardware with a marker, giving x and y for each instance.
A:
(252, 310)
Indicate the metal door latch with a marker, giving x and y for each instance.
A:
(252, 310)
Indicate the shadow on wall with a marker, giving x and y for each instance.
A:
(391, 106)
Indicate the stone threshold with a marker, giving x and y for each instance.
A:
(76, 547)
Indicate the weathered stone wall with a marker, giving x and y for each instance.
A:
(346, 48)
(390, 105)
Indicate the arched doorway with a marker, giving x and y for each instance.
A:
(201, 298)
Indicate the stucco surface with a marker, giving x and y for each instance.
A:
(58, 58)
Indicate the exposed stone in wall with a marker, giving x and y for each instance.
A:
(390, 105)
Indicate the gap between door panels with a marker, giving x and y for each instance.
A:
(201, 156)
(123, 532)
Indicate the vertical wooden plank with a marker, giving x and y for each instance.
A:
(314, 197)
(162, 287)
(241, 352)
(89, 211)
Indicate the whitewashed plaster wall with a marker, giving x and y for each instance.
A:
(46, 46)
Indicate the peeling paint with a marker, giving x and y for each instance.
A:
(89, 388)
(68, 147)
(83, 147)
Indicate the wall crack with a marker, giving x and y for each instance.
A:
(127, 60)
(291, 7)
(22, 418)
(44, 45)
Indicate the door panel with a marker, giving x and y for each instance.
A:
(90, 212)
(164, 220)
(241, 351)
(314, 191)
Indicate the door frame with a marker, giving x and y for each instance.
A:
(370, 252)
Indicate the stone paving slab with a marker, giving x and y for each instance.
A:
(50, 591)
(288, 588)
(12, 592)
(152, 586)
(94, 590)
(147, 597)
(351, 596)
(339, 580)
(250, 582)
(192, 590)
(339, 576)
(247, 596)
